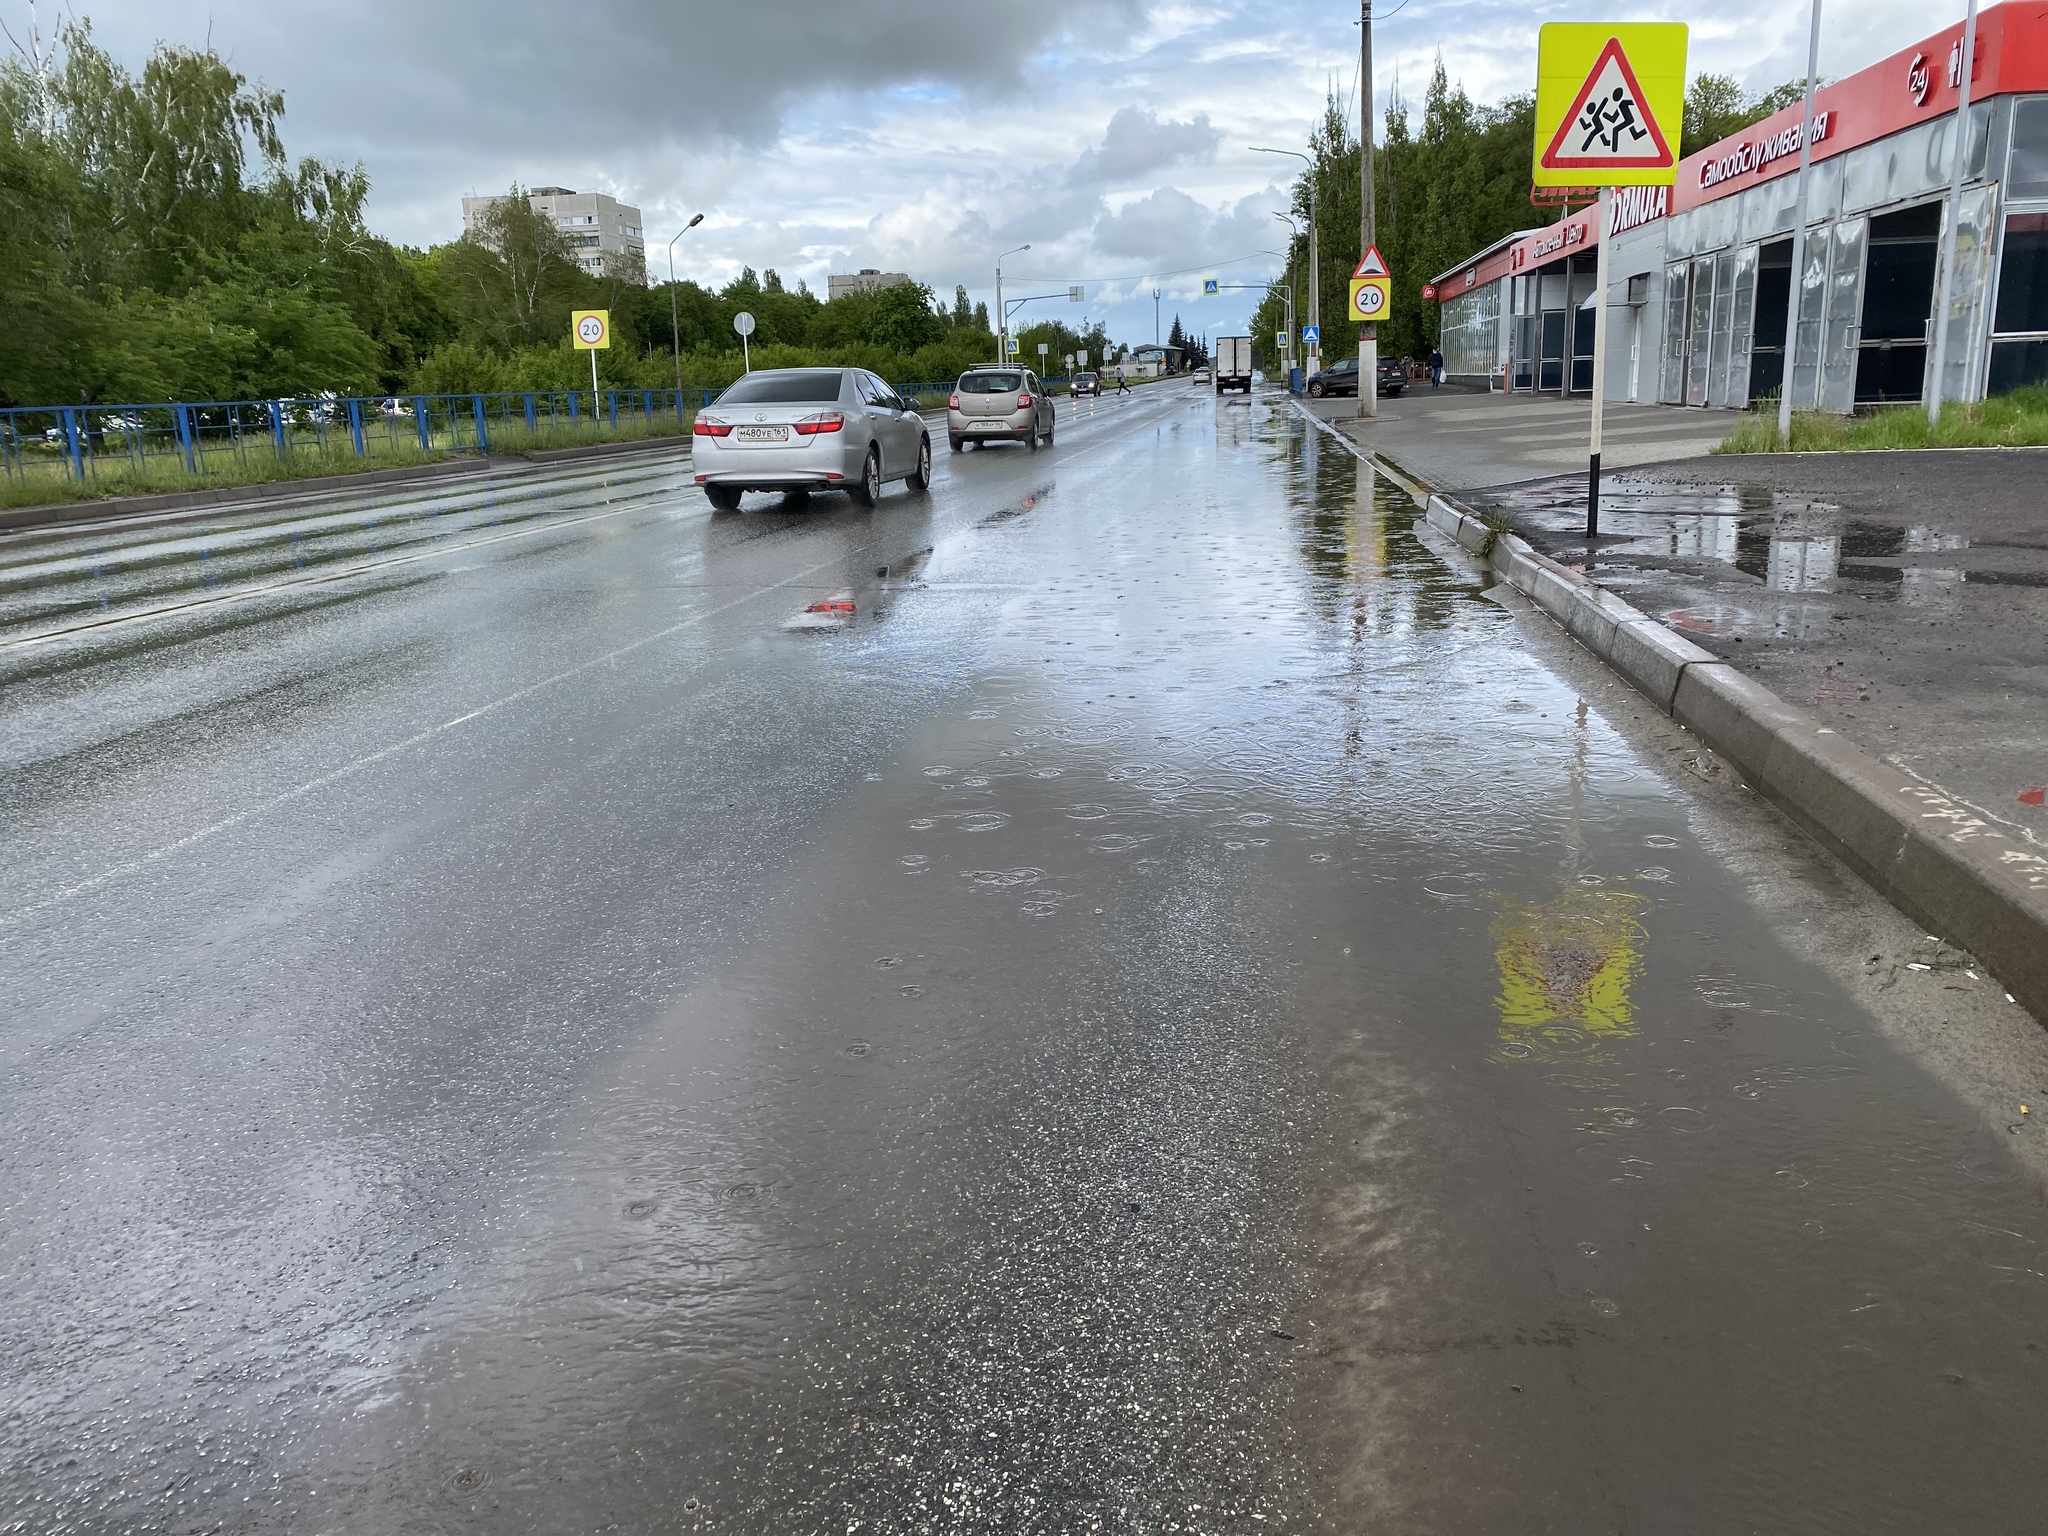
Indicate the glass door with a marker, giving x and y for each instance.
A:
(1699, 322)
(1671, 372)
(1550, 361)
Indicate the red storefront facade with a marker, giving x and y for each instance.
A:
(1700, 272)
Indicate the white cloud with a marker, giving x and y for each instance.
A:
(1110, 134)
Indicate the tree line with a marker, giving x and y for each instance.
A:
(1443, 188)
(158, 243)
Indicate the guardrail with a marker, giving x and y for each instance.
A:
(199, 438)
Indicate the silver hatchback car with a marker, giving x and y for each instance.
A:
(995, 404)
(809, 429)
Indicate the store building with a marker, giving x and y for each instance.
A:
(1700, 273)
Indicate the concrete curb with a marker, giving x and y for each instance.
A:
(1932, 857)
(318, 487)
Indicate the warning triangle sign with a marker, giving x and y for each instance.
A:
(1610, 125)
(1371, 264)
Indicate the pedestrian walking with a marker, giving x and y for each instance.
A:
(1121, 387)
(1436, 368)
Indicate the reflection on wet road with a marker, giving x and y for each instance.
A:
(1166, 1015)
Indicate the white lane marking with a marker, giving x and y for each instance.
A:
(321, 578)
(504, 701)
(343, 573)
(228, 824)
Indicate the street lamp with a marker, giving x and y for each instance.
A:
(1002, 317)
(675, 330)
(1291, 335)
(1315, 268)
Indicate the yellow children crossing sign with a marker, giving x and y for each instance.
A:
(1609, 100)
(1372, 287)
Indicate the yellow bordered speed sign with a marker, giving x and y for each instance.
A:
(591, 329)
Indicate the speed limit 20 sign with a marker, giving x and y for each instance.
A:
(591, 329)
(1372, 287)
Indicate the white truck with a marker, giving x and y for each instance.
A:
(1233, 363)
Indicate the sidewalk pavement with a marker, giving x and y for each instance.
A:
(1900, 599)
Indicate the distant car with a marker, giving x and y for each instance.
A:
(1341, 378)
(996, 404)
(1086, 384)
(809, 429)
(1200, 375)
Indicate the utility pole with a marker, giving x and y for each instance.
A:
(1155, 317)
(1368, 333)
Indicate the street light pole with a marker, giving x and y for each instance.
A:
(1295, 230)
(675, 330)
(1315, 265)
(1002, 315)
(1798, 241)
(1369, 332)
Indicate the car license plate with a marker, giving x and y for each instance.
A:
(762, 434)
(988, 426)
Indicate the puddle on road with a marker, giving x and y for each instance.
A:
(1256, 891)
(1790, 544)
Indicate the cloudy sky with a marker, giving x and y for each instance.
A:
(820, 136)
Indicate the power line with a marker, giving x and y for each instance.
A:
(1146, 277)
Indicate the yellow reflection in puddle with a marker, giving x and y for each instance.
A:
(1566, 967)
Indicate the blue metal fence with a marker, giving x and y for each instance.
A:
(84, 442)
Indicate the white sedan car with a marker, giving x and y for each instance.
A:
(809, 429)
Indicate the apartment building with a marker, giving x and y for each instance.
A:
(866, 280)
(594, 225)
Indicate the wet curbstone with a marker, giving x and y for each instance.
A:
(1933, 857)
(1653, 658)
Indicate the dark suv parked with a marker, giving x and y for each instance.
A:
(1341, 378)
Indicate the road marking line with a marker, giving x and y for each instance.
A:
(228, 824)
(244, 594)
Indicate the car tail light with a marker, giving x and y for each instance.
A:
(954, 403)
(824, 421)
(707, 427)
(1023, 401)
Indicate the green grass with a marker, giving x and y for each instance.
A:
(2017, 420)
(44, 480)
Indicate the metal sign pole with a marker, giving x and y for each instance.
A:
(1799, 242)
(1959, 152)
(1368, 333)
(1605, 216)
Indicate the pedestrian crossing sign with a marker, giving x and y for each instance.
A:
(1609, 100)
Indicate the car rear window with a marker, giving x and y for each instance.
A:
(798, 386)
(991, 383)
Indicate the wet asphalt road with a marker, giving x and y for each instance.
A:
(1178, 1016)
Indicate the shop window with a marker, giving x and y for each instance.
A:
(2027, 175)
(2016, 364)
(2023, 274)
